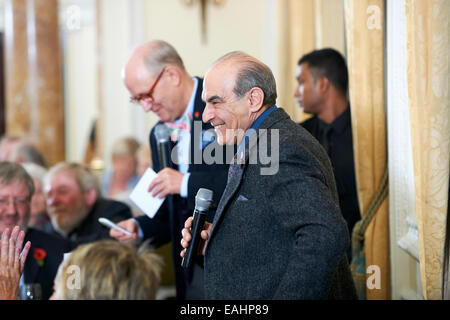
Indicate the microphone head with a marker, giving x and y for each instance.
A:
(203, 199)
(162, 133)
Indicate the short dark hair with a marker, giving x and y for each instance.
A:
(330, 64)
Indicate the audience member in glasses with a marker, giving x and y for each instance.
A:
(75, 203)
(46, 251)
(156, 77)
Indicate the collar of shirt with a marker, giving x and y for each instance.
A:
(184, 141)
(255, 126)
(342, 122)
(190, 106)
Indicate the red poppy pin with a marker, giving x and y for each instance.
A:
(196, 114)
(40, 255)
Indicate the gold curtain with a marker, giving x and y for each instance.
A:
(304, 25)
(428, 48)
(365, 28)
(296, 36)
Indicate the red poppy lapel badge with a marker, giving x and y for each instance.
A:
(39, 255)
(196, 114)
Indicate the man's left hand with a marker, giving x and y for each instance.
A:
(168, 181)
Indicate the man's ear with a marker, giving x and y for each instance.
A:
(174, 75)
(255, 99)
(91, 196)
(323, 84)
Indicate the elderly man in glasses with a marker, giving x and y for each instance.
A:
(45, 251)
(157, 80)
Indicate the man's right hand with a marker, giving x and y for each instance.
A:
(129, 225)
(186, 233)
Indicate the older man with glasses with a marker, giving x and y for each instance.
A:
(157, 80)
(45, 251)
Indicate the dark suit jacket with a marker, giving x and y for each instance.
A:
(90, 229)
(341, 156)
(280, 236)
(55, 247)
(166, 226)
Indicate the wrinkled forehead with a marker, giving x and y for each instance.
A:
(219, 81)
(14, 187)
(62, 177)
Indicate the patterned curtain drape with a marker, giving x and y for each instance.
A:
(296, 37)
(428, 47)
(304, 25)
(365, 34)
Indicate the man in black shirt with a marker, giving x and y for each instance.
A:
(323, 92)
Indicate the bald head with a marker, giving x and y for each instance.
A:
(149, 58)
(156, 78)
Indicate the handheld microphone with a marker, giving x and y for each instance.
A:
(203, 201)
(162, 138)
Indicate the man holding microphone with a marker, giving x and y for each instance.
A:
(157, 80)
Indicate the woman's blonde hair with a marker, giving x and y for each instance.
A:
(109, 270)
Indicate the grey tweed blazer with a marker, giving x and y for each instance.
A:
(279, 236)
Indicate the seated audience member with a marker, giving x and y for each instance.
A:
(21, 150)
(39, 218)
(144, 159)
(27, 152)
(74, 203)
(12, 262)
(109, 270)
(46, 251)
(7, 145)
(120, 181)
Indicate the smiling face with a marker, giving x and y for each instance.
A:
(14, 205)
(67, 204)
(229, 115)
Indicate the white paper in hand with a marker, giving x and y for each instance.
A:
(144, 199)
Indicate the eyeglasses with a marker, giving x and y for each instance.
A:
(19, 202)
(149, 94)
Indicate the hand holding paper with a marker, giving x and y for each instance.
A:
(144, 199)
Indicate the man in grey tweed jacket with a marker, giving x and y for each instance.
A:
(278, 232)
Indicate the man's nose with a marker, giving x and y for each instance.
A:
(297, 91)
(11, 208)
(207, 114)
(146, 104)
(50, 200)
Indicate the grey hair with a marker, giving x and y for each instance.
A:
(126, 146)
(34, 170)
(163, 54)
(253, 73)
(12, 171)
(84, 177)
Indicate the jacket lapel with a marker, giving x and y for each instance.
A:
(235, 175)
(236, 171)
(31, 268)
